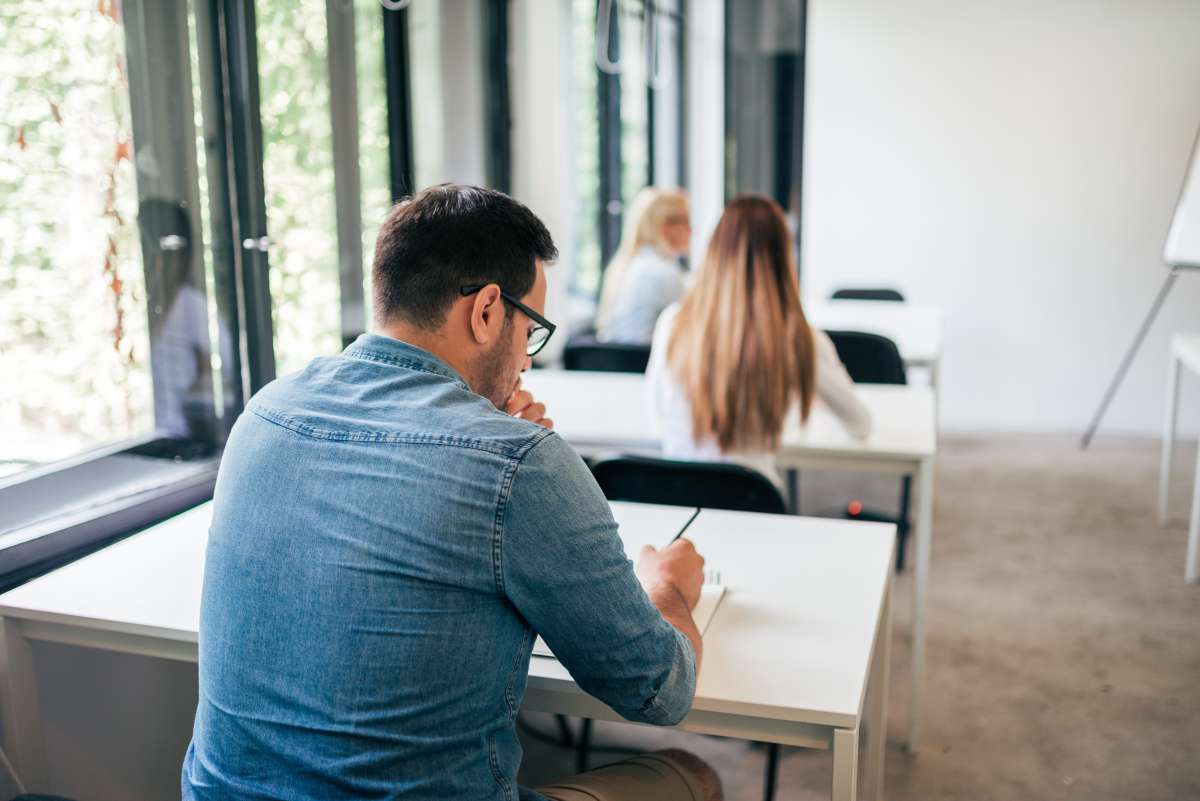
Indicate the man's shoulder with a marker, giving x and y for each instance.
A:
(388, 409)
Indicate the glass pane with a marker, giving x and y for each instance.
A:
(764, 87)
(585, 278)
(635, 150)
(298, 174)
(103, 304)
(372, 130)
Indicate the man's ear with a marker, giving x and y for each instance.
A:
(487, 314)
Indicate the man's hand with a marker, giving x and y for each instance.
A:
(521, 404)
(677, 566)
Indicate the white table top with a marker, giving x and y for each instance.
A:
(791, 640)
(916, 329)
(1186, 348)
(150, 583)
(597, 411)
(793, 636)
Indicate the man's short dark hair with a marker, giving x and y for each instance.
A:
(449, 236)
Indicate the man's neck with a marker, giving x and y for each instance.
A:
(435, 342)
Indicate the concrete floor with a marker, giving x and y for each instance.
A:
(1064, 646)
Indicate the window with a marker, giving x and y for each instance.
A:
(106, 332)
(326, 188)
(586, 123)
(764, 88)
(627, 118)
(157, 158)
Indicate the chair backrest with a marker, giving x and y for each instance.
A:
(711, 485)
(868, 294)
(587, 353)
(869, 358)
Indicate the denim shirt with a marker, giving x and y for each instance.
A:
(385, 545)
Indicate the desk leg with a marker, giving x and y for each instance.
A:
(1170, 419)
(793, 489)
(1192, 572)
(877, 713)
(22, 724)
(845, 764)
(920, 585)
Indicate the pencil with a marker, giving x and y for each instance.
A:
(695, 514)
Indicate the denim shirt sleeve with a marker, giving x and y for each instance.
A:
(563, 567)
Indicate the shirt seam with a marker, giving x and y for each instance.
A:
(510, 474)
(408, 362)
(388, 438)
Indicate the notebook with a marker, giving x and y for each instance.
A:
(710, 598)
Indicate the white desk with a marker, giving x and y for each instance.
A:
(916, 329)
(796, 654)
(603, 413)
(1185, 352)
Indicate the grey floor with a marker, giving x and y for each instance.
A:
(1063, 646)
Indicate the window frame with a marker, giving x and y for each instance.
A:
(608, 96)
(124, 500)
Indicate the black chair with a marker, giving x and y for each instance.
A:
(869, 358)
(709, 485)
(868, 294)
(585, 352)
(873, 359)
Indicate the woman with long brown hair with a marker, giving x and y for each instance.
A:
(732, 359)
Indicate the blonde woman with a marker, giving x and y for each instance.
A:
(644, 277)
(736, 355)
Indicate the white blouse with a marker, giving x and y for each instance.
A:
(673, 410)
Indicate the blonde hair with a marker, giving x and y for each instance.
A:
(741, 346)
(644, 224)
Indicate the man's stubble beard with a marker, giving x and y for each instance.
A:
(495, 376)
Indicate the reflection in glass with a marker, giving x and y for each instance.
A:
(180, 349)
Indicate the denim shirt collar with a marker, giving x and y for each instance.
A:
(387, 350)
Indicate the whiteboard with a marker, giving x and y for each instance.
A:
(1183, 240)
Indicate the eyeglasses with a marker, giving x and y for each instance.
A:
(542, 330)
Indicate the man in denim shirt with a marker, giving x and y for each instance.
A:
(393, 526)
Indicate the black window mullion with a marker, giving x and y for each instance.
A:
(798, 131)
(239, 60)
(399, 102)
(224, 247)
(608, 94)
(497, 95)
(650, 142)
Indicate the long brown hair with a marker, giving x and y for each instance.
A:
(741, 346)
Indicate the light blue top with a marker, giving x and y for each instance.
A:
(385, 546)
(651, 283)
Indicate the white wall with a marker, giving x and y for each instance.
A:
(1017, 164)
(539, 60)
(705, 124)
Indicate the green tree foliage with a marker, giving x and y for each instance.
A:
(73, 340)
